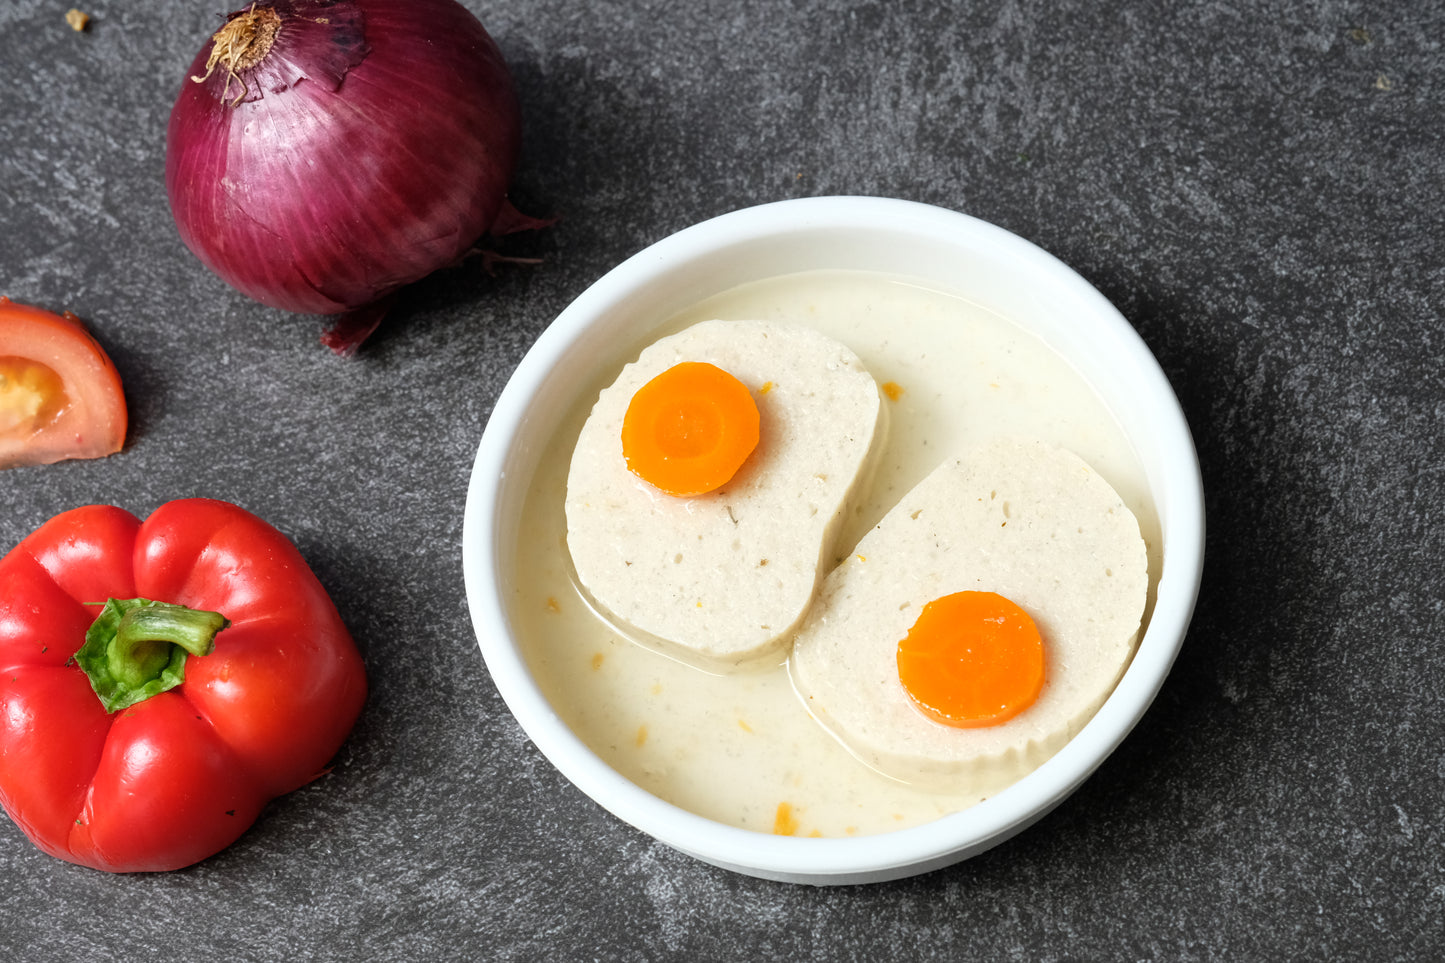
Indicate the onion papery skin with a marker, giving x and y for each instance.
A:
(373, 144)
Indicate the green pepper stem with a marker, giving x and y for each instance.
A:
(142, 644)
(137, 648)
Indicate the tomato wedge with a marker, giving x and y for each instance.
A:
(60, 395)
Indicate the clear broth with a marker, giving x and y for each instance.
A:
(741, 749)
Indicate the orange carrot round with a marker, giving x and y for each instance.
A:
(972, 659)
(689, 430)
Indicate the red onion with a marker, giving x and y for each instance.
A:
(326, 152)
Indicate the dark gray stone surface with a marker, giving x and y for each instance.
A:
(1258, 187)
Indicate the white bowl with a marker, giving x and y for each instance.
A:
(941, 248)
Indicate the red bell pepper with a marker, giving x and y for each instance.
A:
(196, 743)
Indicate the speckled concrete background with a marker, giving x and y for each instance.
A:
(1258, 187)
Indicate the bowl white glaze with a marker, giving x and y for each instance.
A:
(941, 248)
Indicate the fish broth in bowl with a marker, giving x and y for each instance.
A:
(834, 540)
(661, 626)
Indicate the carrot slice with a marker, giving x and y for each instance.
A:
(689, 430)
(972, 659)
(60, 395)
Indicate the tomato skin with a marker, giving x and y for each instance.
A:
(177, 777)
(92, 420)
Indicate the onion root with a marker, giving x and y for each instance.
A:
(241, 44)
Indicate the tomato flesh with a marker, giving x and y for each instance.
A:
(60, 395)
(31, 395)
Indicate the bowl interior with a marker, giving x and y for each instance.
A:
(942, 249)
